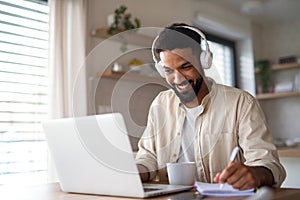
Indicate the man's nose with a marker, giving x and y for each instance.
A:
(178, 77)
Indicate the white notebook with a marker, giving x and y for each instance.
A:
(214, 189)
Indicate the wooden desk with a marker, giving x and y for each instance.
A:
(52, 192)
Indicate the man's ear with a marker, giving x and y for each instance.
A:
(160, 69)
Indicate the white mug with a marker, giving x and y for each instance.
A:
(181, 173)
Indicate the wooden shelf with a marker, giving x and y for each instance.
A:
(130, 37)
(128, 76)
(278, 67)
(277, 95)
(284, 66)
(293, 152)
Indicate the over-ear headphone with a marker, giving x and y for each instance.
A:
(206, 56)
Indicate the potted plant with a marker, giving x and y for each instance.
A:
(122, 21)
(262, 71)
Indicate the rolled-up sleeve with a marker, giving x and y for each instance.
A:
(256, 140)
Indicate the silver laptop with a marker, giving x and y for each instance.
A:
(93, 155)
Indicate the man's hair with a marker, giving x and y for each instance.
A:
(177, 36)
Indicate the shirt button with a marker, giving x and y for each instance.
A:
(200, 109)
(178, 133)
(174, 155)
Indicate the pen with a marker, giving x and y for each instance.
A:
(232, 157)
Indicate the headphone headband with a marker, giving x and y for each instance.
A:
(205, 56)
(200, 33)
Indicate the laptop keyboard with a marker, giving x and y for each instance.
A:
(151, 189)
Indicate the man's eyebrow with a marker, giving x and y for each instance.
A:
(183, 65)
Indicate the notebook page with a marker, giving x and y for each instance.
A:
(213, 189)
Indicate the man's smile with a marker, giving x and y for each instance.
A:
(184, 86)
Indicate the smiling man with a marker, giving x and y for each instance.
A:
(182, 76)
(200, 121)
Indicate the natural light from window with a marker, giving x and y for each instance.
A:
(23, 91)
(222, 70)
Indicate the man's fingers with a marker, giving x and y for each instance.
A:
(217, 177)
(238, 176)
(227, 172)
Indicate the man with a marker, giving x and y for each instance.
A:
(201, 121)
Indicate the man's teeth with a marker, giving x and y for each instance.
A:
(182, 86)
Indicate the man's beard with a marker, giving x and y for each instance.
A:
(189, 96)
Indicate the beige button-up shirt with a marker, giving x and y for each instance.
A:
(230, 118)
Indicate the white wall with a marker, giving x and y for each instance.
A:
(276, 40)
(272, 41)
(291, 166)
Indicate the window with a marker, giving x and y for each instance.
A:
(223, 60)
(23, 90)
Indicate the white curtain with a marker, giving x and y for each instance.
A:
(66, 62)
(66, 59)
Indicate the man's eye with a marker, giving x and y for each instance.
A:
(186, 67)
(166, 70)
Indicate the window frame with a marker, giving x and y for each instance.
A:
(229, 43)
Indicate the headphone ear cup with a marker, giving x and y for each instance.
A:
(159, 67)
(206, 58)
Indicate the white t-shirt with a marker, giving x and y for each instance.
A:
(187, 153)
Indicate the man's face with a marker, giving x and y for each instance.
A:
(181, 74)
